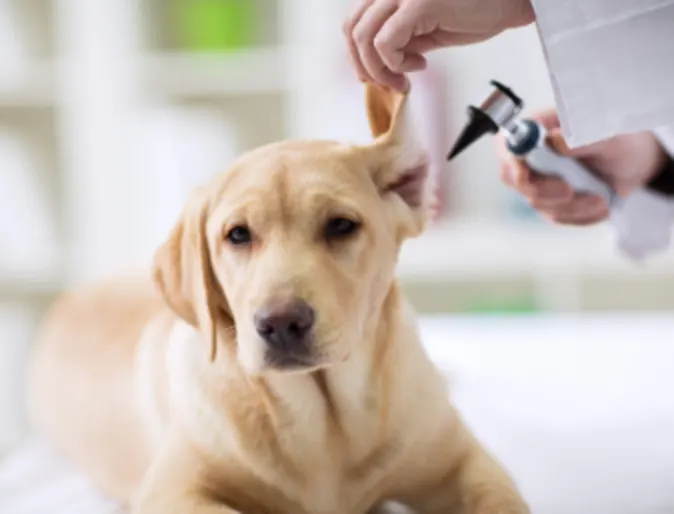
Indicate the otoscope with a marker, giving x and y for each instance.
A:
(527, 139)
(642, 219)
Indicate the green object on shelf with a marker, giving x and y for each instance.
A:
(519, 305)
(216, 25)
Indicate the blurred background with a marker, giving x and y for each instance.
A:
(110, 110)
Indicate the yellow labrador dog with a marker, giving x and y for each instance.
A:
(280, 369)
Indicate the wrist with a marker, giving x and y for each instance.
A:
(661, 178)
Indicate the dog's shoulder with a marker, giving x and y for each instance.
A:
(420, 391)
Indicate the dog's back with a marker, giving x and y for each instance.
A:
(82, 376)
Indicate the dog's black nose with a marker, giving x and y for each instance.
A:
(285, 325)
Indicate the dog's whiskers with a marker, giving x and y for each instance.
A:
(228, 331)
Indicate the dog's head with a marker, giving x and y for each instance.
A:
(289, 255)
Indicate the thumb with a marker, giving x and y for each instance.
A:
(558, 143)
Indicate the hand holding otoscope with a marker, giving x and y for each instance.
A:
(570, 190)
(625, 162)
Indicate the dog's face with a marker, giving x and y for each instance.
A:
(293, 250)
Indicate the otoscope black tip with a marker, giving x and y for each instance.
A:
(478, 125)
(459, 147)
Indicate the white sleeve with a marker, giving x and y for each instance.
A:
(644, 220)
(666, 137)
(610, 64)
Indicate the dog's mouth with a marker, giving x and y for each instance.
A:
(284, 361)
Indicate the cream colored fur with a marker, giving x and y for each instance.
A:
(168, 401)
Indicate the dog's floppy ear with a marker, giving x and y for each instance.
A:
(402, 166)
(184, 274)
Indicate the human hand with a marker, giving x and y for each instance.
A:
(625, 162)
(388, 38)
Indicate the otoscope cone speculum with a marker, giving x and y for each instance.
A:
(500, 107)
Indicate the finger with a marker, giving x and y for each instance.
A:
(397, 38)
(459, 38)
(543, 191)
(582, 210)
(393, 36)
(364, 34)
(357, 11)
(420, 44)
(558, 143)
(416, 45)
(516, 174)
(547, 117)
(581, 221)
(411, 63)
(513, 170)
(413, 53)
(547, 192)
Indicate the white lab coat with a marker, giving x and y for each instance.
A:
(666, 135)
(610, 64)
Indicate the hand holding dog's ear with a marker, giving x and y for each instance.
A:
(404, 168)
(389, 38)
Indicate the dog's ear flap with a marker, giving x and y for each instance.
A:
(184, 274)
(403, 168)
(382, 106)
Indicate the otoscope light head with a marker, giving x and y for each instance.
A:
(508, 92)
(502, 105)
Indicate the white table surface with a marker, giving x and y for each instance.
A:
(581, 410)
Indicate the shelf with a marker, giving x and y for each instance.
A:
(488, 251)
(30, 290)
(34, 86)
(190, 75)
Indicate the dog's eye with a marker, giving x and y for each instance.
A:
(340, 227)
(239, 235)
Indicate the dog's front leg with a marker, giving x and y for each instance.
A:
(161, 503)
(174, 485)
(484, 487)
(474, 484)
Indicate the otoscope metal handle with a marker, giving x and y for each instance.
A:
(546, 161)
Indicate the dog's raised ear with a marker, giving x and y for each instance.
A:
(402, 166)
(184, 274)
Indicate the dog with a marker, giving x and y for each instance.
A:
(274, 365)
